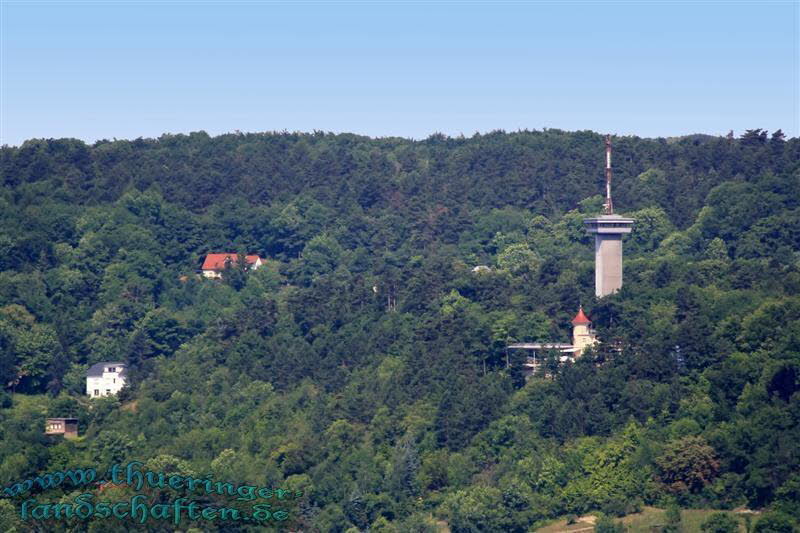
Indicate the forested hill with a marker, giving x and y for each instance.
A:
(365, 365)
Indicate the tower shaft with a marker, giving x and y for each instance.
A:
(608, 264)
(608, 231)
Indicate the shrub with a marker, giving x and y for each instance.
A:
(774, 522)
(615, 507)
(634, 506)
(605, 524)
(673, 517)
(720, 523)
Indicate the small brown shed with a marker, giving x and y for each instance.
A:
(62, 426)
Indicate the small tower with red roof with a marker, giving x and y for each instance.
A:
(582, 335)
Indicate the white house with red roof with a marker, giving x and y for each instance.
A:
(215, 264)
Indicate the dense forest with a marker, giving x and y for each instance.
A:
(364, 367)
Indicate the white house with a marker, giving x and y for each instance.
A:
(105, 379)
(214, 264)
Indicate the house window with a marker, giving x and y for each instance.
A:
(112, 369)
(115, 380)
(108, 391)
(96, 392)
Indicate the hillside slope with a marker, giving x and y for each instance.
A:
(364, 368)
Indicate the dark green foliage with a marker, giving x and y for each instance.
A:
(605, 524)
(673, 517)
(365, 363)
(775, 523)
(720, 523)
(687, 464)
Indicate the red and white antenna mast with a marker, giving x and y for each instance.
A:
(609, 207)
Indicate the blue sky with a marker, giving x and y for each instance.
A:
(95, 70)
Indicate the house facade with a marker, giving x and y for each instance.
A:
(105, 379)
(68, 427)
(214, 264)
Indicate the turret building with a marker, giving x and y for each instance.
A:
(583, 337)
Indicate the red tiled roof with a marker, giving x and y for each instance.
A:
(108, 485)
(580, 318)
(217, 261)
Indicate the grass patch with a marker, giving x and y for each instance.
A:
(30, 402)
(584, 523)
(691, 519)
(645, 520)
(650, 519)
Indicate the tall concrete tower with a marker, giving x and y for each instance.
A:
(608, 229)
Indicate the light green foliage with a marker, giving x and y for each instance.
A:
(569, 230)
(321, 255)
(593, 205)
(404, 468)
(459, 470)
(544, 473)
(232, 465)
(433, 471)
(517, 258)
(500, 242)
(382, 525)
(504, 439)
(111, 447)
(717, 251)
(454, 302)
(9, 518)
(33, 346)
(13, 467)
(477, 508)
(611, 473)
(788, 497)
(420, 523)
(508, 326)
(652, 226)
(75, 379)
(171, 465)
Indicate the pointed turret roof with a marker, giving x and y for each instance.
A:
(580, 318)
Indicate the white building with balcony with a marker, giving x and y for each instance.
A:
(583, 337)
(105, 379)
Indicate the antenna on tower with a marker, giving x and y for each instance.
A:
(608, 206)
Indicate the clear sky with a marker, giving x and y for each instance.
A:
(95, 70)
